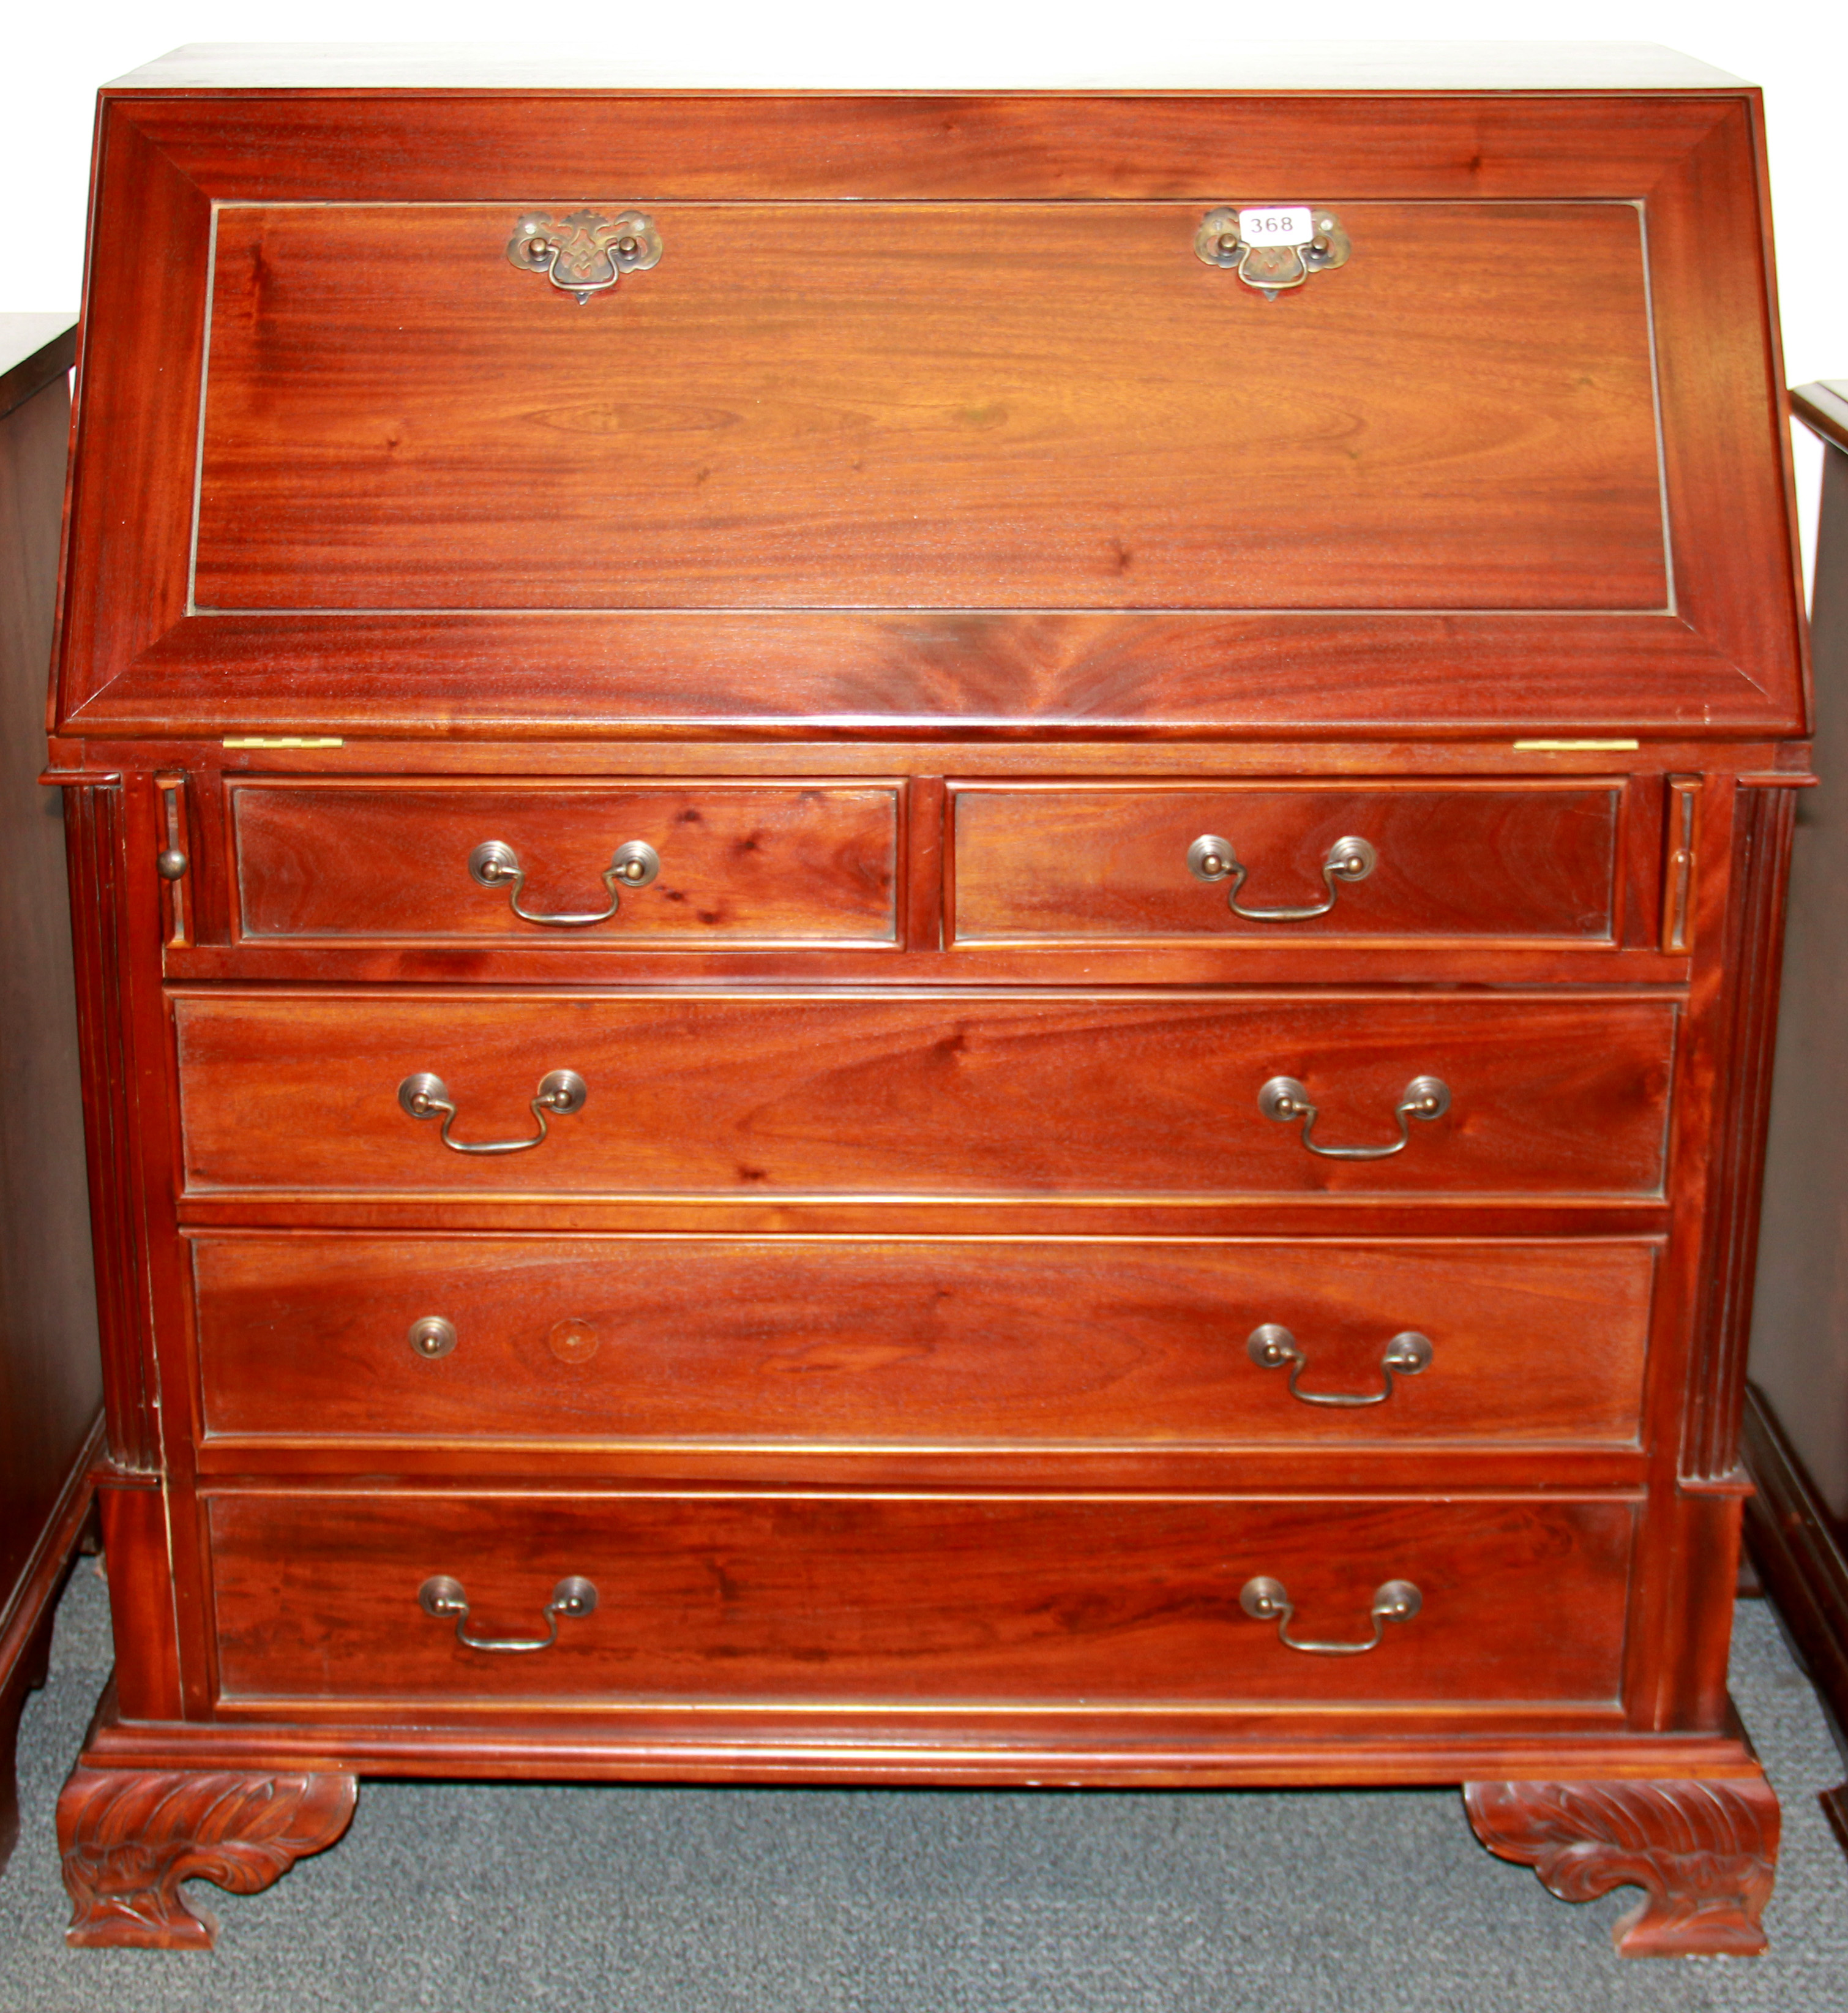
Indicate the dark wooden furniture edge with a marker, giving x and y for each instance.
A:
(25, 377)
(1797, 1551)
(1691, 1820)
(1823, 408)
(26, 1632)
(773, 1749)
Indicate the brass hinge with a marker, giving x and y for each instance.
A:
(285, 741)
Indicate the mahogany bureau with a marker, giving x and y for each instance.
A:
(927, 938)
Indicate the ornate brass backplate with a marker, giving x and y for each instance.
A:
(584, 253)
(1272, 248)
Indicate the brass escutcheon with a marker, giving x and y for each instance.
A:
(1271, 268)
(585, 252)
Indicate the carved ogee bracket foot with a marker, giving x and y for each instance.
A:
(129, 1837)
(1704, 1852)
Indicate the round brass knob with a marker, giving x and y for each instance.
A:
(1211, 858)
(171, 864)
(635, 863)
(562, 1090)
(432, 1336)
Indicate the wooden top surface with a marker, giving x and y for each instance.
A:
(1255, 66)
(35, 348)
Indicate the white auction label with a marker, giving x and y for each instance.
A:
(1275, 227)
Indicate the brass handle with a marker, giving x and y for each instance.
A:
(1272, 248)
(442, 1596)
(1212, 859)
(1425, 1097)
(1270, 1347)
(584, 253)
(561, 1093)
(1269, 1600)
(494, 864)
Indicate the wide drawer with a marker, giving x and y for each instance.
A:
(392, 859)
(797, 1341)
(1063, 861)
(947, 1094)
(1083, 1601)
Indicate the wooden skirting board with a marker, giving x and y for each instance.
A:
(1797, 1547)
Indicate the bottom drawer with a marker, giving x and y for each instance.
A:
(1085, 1601)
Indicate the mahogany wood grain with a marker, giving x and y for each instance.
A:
(1088, 1601)
(782, 673)
(390, 860)
(130, 1838)
(1258, 1746)
(845, 1341)
(1004, 1197)
(50, 1384)
(1704, 1854)
(103, 948)
(1727, 657)
(50, 1378)
(1056, 861)
(1752, 959)
(982, 405)
(974, 1095)
(143, 1612)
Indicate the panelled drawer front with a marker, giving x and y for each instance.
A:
(1058, 861)
(950, 1095)
(808, 861)
(1069, 1340)
(1099, 1600)
(919, 405)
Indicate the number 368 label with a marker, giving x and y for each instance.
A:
(1275, 227)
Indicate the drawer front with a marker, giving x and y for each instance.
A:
(941, 1095)
(930, 405)
(1089, 1600)
(812, 861)
(1061, 862)
(1074, 1341)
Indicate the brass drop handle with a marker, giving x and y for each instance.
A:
(561, 1093)
(442, 1596)
(1268, 1600)
(494, 864)
(1270, 1347)
(1425, 1097)
(1274, 247)
(585, 252)
(1212, 859)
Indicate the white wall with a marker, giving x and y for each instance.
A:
(55, 59)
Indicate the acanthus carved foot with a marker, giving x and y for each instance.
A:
(129, 1837)
(1704, 1852)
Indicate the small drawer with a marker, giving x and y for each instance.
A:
(597, 866)
(1519, 862)
(1093, 1602)
(948, 1094)
(1073, 1342)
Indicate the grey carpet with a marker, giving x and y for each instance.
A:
(486, 1898)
